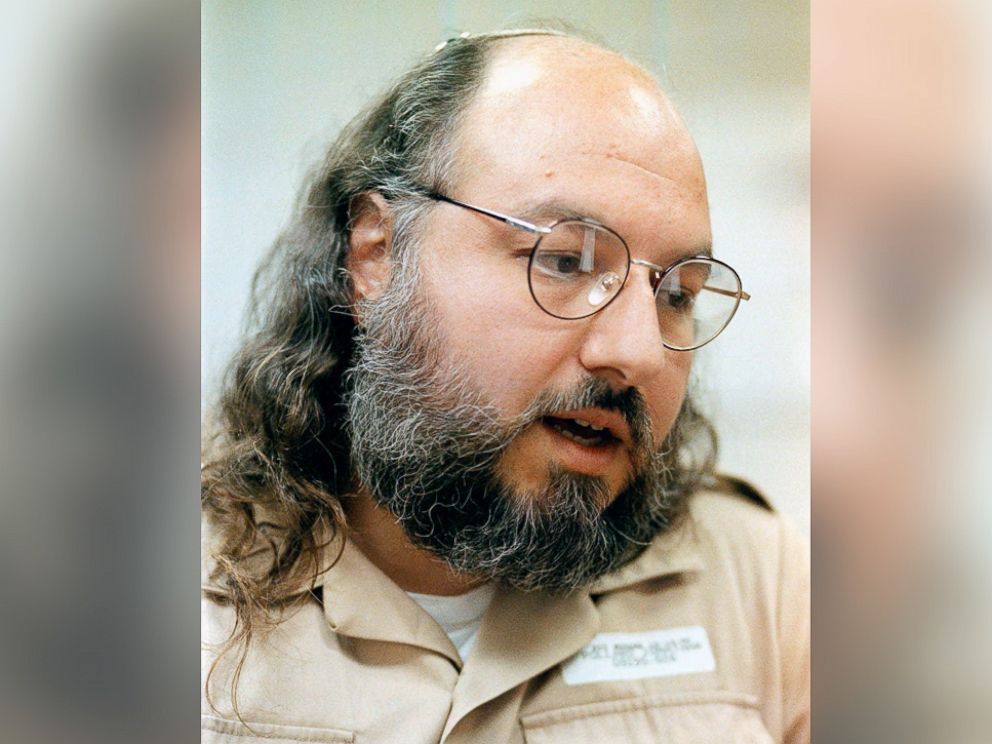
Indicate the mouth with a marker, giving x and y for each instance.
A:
(586, 442)
(594, 442)
(581, 431)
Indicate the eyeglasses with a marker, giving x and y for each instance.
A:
(577, 267)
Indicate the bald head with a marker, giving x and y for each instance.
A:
(546, 95)
(551, 112)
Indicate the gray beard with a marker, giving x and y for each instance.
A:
(427, 448)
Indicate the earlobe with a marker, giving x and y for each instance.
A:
(369, 245)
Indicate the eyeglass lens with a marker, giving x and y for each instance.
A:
(578, 268)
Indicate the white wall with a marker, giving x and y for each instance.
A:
(280, 78)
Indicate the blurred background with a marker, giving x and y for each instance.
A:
(902, 506)
(99, 404)
(279, 80)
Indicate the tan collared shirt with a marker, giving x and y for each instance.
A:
(714, 648)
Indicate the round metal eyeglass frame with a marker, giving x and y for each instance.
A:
(658, 273)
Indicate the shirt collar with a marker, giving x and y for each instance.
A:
(360, 601)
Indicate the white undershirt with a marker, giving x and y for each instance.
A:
(460, 616)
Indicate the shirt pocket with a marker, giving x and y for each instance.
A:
(684, 718)
(223, 731)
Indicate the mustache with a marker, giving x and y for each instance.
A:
(596, 393)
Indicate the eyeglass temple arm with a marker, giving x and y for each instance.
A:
(719, 290)
(513, 221)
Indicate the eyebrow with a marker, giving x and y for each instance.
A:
(553, 209)
(550, 210)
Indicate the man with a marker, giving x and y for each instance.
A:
(460, 493)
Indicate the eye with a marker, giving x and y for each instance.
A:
(561, 264)
(680, 299)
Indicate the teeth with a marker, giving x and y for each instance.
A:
(576, 437)
(588, 425)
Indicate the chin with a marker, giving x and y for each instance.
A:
(543, 494)
(531, 478)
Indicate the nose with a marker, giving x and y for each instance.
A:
(623, 341)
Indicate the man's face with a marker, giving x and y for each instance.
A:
(560, 127)
(461, 382)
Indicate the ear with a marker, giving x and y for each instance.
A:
(370, 240)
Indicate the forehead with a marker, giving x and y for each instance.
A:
(560, 120)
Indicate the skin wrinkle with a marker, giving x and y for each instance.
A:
(658, 195)
(546, 212)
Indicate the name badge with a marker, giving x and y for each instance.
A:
(654, 653)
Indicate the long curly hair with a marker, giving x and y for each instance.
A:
(277, 456)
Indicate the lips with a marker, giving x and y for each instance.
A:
(591, 441)
(581, 431)
(590, 426)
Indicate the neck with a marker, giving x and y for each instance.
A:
(384, 542)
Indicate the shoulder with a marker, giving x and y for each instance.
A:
(732, 545)
(752, 556)
(730, 538)
(738, 571)
(757, 566)
(733, 516)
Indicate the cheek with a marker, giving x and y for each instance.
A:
(511, 350)
(666, 394)
(508, 358)
(494, 331)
